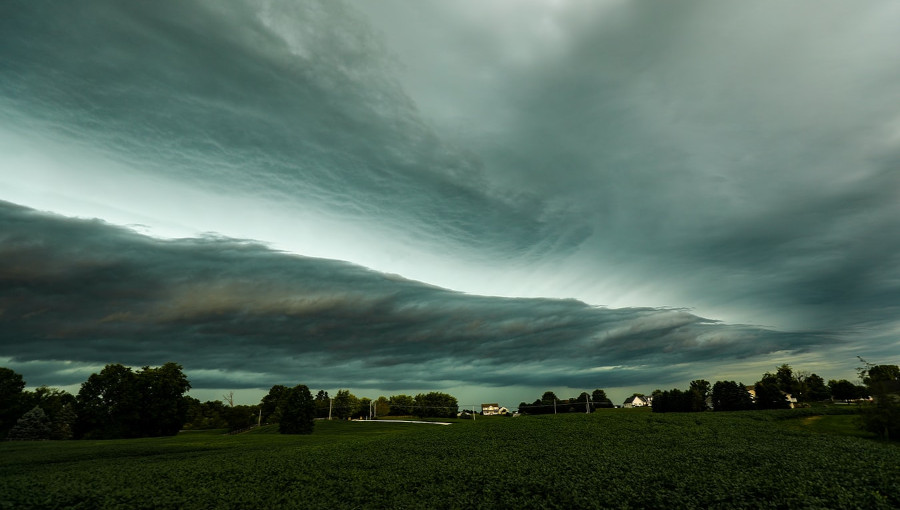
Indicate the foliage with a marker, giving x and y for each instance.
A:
(273, 403)
(730, 396)
(675, 400)
(119, 403)
(299, 412)
(323, 404)
(436, 405)
(401, 405)
(882, 416)
(345, 405)
(382, 407)
(816, 390)
(205, 415)
(11, 401)
(622, 460)
(59, 407)
(600, 400)
(769, 394)
(846, 390)
(240, 416)
(32, 426)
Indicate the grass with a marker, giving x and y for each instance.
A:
(609, 459)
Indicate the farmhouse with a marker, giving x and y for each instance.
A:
(493, 409)
(636, 401)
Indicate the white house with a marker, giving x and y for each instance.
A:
(636, 401)
(493, 409)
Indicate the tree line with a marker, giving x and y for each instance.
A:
(881, 383)
(119, 402)
(549, 403)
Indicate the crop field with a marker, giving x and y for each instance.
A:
(609, 459)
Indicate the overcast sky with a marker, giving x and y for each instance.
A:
(487, 198)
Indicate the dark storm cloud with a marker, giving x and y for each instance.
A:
(236, 312)
(291, 101)
(732, 156)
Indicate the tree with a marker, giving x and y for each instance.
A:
(816, 390)
(677, 401)
(273, 403)
(363, 408)
(843, 390)
(59, 407)
(11, 401)
(163, 406)
(436, 405)
(382, 406)
(699, 392)
(239, 417)
(299, 413)
(784, 379)
(345, 404)
(32, 426)
(769, 394)
(108, 404)
(730, 396)
(119, 403)
(401, 405)
(883, 415)
(323, 404)
(600, 400)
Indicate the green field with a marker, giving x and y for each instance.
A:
(610, 459)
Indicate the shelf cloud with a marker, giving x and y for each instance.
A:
(413, 193)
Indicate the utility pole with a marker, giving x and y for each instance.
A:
(587, 406)
(554, 406)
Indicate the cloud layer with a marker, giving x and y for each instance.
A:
(724, 159)
(83, 291)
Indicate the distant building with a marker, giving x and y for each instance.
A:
(490, 409)
(752, 391)
(636, 401)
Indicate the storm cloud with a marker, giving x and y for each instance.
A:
(643, 188)
(87, 292)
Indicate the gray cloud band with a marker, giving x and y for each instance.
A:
(83, 291)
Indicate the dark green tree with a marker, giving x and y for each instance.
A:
(119, 403)
(108, 404)
(345, 405)
(12, 403)
(32, 426)
(363, 408)
(206, 415)
(600, 400)
(436, 405)
(816, 390)
(273, 403)
(883, 415)
(699, 392)
(382, 407)
(730, 396)
(769, 394)
(299, 413)
(59, 405)
(163, 409)
(401, 405)
(674, 401)
(323, 404)
(844, 390)
(785, 380)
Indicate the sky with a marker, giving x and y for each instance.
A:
(491, 199)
